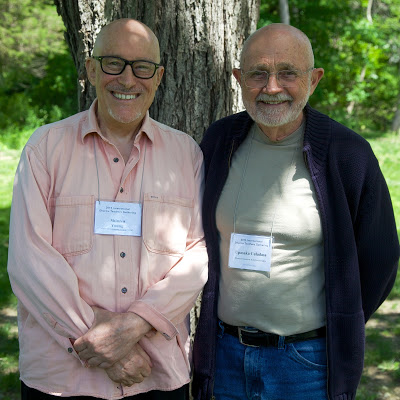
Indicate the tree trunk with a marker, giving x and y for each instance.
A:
(200, 44)
(284, 11)
(350, 107)
(369, 10)
(396, 120)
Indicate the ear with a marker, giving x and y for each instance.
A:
(90, 65)
(316, 76)
(237, 73)
(159, 74)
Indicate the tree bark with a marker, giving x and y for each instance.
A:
(396, 120)
(284, 11)
(369, 11)
(200, 43)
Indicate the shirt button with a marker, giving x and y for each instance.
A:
(70, 350)
(116, 159)
(124, 290)
(122, 254)
(121, 190)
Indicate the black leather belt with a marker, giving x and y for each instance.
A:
(256, 338)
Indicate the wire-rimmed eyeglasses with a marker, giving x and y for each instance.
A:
(286, 78)
(142, 69)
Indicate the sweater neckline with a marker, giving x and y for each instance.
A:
(317, 134)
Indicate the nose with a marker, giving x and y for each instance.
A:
(272, 86)
(127, 78)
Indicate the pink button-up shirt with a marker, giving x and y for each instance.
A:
(59, 268)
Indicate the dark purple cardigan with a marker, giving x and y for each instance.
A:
(361, 248)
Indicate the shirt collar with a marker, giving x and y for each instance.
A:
(91, 125)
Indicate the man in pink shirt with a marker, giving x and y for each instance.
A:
(106, 252)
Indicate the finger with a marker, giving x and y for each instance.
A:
(95, 312)
(129, 383)
(144, 368)
(105, 365)
(143, 354)
(146, 371)
(151, 333)
(84, 355)
(79, 345)
(96, 361)
(112, 374)
(137, 379)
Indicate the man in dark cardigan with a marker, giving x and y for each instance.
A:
(301, 237)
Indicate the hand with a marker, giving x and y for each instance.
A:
(133, 368)
(111, 337)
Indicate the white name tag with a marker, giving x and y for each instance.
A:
(250, 252)
(113, 218)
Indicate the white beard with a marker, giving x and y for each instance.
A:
(276, 117)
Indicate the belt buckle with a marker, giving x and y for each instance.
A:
(240, 330)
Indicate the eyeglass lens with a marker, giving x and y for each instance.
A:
(115, 66)
(259, 79)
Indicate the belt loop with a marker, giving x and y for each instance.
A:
(222, 329)
(281, 342)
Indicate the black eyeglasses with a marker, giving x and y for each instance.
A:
(115, 66)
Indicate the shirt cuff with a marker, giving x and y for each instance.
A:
(155, 319)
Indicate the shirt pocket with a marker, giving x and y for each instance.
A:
(166, 223)
(73, 219)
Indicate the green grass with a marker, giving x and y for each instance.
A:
(9, 376)
(8, 165)
(383, 343)
(387, 150)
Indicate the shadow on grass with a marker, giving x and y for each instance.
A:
(382, 359)
(9, 375)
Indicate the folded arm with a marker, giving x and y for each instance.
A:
(40, 277)
(168, 301)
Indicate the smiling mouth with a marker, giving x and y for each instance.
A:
(125, 96)
(274, 103)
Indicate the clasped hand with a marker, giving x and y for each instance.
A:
(112, 344)
(131, 369)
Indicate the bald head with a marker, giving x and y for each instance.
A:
(137, 33)
(277, 38)
(125, 54)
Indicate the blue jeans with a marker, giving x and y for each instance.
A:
(295, 371)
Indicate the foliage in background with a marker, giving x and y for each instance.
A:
(361, 58)
(37, 74)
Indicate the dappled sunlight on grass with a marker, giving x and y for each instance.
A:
(387, 150)
(9, 375)
(382, 359)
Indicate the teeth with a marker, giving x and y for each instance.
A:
(125, 96)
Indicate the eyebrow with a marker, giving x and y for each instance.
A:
(139, 59)
(279, 66)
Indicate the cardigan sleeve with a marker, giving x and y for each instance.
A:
(376, 239)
